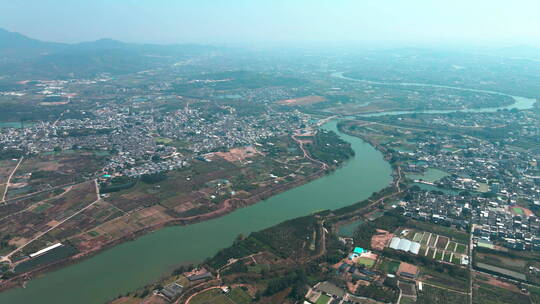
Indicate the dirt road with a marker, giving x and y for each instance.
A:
(9, 179)
(7, 257)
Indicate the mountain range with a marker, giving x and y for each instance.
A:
(22, 57)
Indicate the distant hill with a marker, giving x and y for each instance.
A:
(15, 46)
(22, 57)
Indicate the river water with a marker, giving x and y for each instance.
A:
(520, 103)
(136, 263)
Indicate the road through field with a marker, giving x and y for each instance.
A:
(9, 179)
(7, 257)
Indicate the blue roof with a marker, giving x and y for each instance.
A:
(358, 250)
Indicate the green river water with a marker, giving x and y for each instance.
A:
(136, 263)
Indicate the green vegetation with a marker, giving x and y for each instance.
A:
(447, 276)
(214, 296)
(154, 178)
(296, 280)
(386, 294)
(440, 274)
(390, 221)
(503, 260)
(431, 294)
(461, 248)
(459, 236)
(117, 184)
(286, 240)
(534, 294)
(239, 296)
(389, 266)
(366, 262)
(4, 244)
(405, 300)
(41, 208)
(323, 299)
(328, 147)
(489, 294)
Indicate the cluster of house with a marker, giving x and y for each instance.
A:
(486, 182)
(513, 227)
(172, 291)
(356, 270)
(328, 293)
(476, 166)
(355, 265)
(226, 128)
(438, 208)
(131, 139)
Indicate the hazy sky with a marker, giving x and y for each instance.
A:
(283, 21)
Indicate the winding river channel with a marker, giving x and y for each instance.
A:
(136, 263)
(520, 103)
(133, 264)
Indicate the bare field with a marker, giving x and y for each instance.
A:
(238, 154)
(6, 167)
(302, 101)
(122, 226)
(31, 222)
(45, 171)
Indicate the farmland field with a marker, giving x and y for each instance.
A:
(367, 262)
(418, 236)
(489, 294)
(447, 257)
(454, 234)
(425, 238)
(389, 266)
(214, 296)
(445, 279)
(437, 246)
(430, 295)
(461, 248)
(239, 296)
(323, 299)
(498, 260)
(442, 242)
(433, 240)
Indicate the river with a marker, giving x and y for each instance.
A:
(133, 264)
(520, 103)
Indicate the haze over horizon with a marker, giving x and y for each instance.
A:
(476, 23)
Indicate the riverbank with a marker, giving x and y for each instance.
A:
(333, 220)
(520, 102)
(226, 207)
(133, 264)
